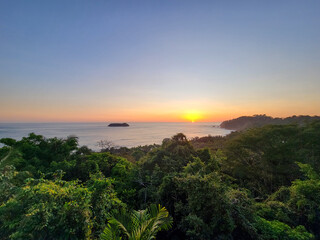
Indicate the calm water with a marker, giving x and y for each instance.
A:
(89, 133)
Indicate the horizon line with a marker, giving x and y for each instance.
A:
(199, 121)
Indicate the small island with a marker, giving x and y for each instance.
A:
(118, 125)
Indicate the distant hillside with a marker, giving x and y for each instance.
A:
(245, 122)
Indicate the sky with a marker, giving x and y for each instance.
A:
(159, 61)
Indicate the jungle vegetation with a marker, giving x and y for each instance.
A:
(245, 122)
(262, 183)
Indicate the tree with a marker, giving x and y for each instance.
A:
(263, 159)
(105, 145)
(45, 209)
(137, 225)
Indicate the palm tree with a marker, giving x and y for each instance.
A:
(137, 225)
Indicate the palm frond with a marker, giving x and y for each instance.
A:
(122, 221)
(110, 233)
(137, 225)
(160, 220)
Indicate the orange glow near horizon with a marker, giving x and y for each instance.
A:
(156, 112)
(192, 116)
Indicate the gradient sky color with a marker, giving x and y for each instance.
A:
(158, 60)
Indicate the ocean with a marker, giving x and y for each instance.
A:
(90, 133)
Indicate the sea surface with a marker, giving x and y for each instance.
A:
(90, 133)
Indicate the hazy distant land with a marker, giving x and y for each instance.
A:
(245, 122)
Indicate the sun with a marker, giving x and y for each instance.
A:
(192, 116)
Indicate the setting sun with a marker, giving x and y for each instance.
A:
(192, 116)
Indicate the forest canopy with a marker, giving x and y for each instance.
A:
(245, 122)
(262, 183)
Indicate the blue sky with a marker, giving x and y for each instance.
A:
(158, 60)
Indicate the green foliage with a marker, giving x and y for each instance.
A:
(204, 206)
(259, 184)
(123, 175)
(8, 142)
(214, 143)
(264, 159)
(37, 154)
(275, 230)
(46, 209)
(43, 209)
(205, 212)
(7, 186)
(94, 163)
(272, 210)
(137, 225)
(172, 156)
(297, 204)
(305, 200)
(103, 200)
(246, 122)
(10, 182)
